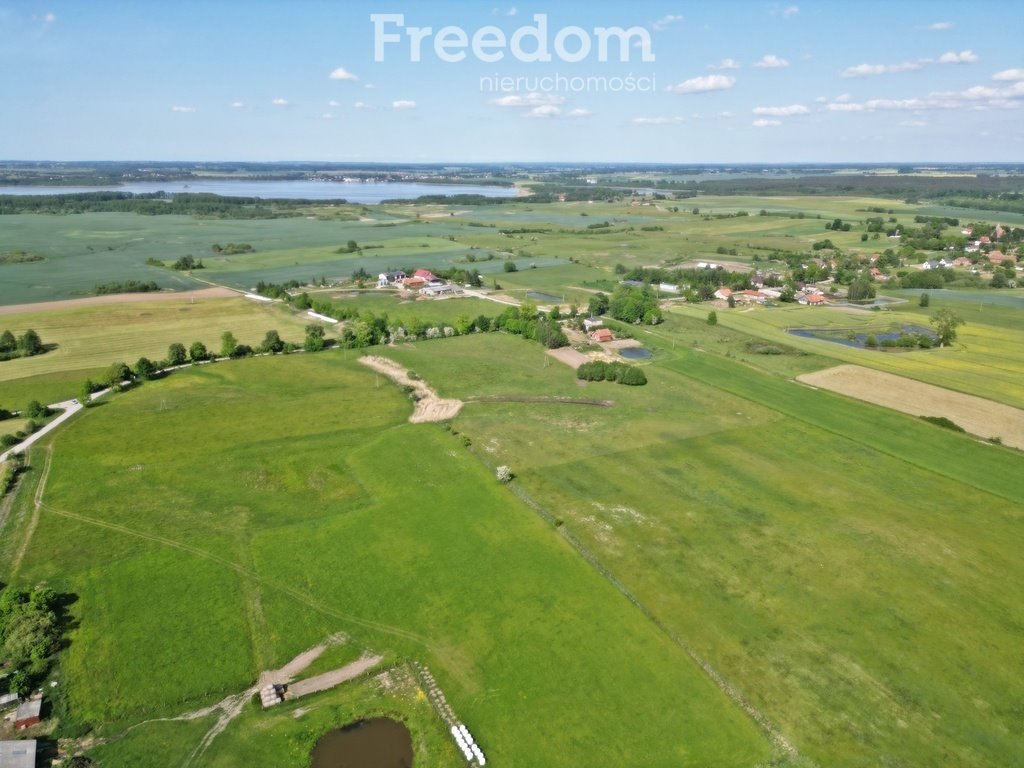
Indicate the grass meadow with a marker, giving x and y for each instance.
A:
(217, 522)
(90, 338)
(817, 551)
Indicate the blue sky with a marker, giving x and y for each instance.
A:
(730, 82)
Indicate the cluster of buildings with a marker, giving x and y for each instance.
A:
(422, 281)
(21, 753)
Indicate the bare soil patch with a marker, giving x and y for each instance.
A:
(569, 356)
(119, 298)
(977, 415)
(429, 405)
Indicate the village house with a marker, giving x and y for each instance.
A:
(427, 276)
(602, 335)
(723, 293)
(413, 283)
(815, 300)
(961, 261)
(385, 279)
(590, 323)
(997, 257)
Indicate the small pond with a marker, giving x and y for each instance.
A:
(541, 296)
(892, 338)
(376, 743)
(635, 353)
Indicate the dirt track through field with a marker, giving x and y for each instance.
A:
(977, 415)
(429, 405)
(119, 298)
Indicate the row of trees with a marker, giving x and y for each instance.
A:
(26, 345)
(598, 370)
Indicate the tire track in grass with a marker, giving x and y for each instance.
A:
(37, 506)
(292, 592)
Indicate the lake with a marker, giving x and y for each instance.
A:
(353, 191)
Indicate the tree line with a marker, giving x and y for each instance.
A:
(26, 345)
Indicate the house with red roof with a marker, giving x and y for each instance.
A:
(998, 257)
(723, 293)
(602, 335)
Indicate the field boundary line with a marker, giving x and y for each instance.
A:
(775, 736)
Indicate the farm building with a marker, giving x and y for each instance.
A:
(602, 335)
(442, 289)
(28, 713)
(590, 323)
(18, 754)
(427, 275)
(723, 293)
(413, 283)
(815, 300)
(998, 257)
(7, 699)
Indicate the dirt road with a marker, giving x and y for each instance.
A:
(430, 406)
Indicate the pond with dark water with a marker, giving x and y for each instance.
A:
(376, 743)
(635, 353)
(888, 338)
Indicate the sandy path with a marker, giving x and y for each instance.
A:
(118, 298)
(977, 415)
(430, 406)
(329, 680)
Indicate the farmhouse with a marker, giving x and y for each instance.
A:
(602, 335)
(18, 754)
(815, 300)
(413, 283)
(590, 323)
(723, 293)
(961, 261)
(998, 257)
(385, 279)
(28, 713)
(427, 276)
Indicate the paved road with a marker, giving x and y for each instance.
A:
(70, 408)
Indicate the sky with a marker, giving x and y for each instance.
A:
(703, 82)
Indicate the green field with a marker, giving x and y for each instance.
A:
(826, 546)
(90, 338)
(721, 563)
(343, 517)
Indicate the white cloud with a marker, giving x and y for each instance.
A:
(978, 97)
(532, 99)
(403, 104)
(280, 102)
(50, 17)
(183, 109)
(766, 123)
(237, 104)
(1009, 74)
(914, 123)
(363, 105)
(657, 120)
(545, 110)
(550, 111)
(964, 57)
(342, 74)
(771, 61)
(665, 22)
(725, 64)
(792, 109)
(333, 103)
(938, 26)
(512, 11)
(821, 99)
(791, 10)
(865, 70)
(842, 98)
(726, 115)
(703, 84)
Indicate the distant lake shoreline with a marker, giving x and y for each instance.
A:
(352, 191)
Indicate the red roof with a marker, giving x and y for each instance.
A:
(426, 274)
(603, 334)
(815, 298)
(984, 239)
(998, 257)
(724, 292)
